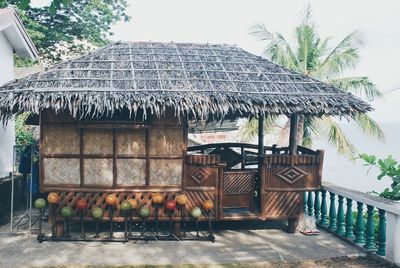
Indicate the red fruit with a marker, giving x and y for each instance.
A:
(81, 204)
(170, 204)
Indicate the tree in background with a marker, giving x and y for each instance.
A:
(68, 28)
(313, 56)
(63, 30)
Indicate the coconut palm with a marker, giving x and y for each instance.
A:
(313, 56)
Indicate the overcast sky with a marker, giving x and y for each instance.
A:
(228, 21)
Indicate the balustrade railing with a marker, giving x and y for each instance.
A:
(359, 217)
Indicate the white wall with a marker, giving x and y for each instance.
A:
(7, 134)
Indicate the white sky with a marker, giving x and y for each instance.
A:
(223, 21)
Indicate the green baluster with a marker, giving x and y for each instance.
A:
(369, 243)
(317, 207)
(332, 213)
(360, 225)
(349, 219)
(382, 233)
(310, 204)
(305, 202)
(324, 210)
(340, 217)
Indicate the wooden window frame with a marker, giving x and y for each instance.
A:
(115, 126)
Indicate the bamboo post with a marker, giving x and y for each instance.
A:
(360, 225)
(340, 217)
(261, 120)
(294, 124)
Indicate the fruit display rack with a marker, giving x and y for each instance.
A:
(142, 230)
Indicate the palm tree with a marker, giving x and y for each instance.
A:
(313, 56)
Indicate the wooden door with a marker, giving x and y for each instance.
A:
(238, 189)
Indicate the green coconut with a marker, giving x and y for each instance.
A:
(97, 213)
(196, 212)
(40, 203)
(67, 212)
(144, 212)
(125, 205)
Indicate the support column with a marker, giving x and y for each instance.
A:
(340, 217)
(392, 242)
(324, 210)
(349, 219)
(370, 232)
(310, 204)
(317, 207)
(332, 213)
(360, 224)
(261, 120)
(294, 125)
(382, 233)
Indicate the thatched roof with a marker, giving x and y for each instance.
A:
(201, 79)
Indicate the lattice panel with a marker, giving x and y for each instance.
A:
(131, 172)
(281, 204)
(195, 198)
(97, 141)
(60, 139)
(166, 141)
(131, 141)
(61, 171)
(201, 174)
(165, 172)
(238, 182)
(98, 171)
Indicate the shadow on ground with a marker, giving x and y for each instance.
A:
(237, 243)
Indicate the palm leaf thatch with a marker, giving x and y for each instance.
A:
(201, 80)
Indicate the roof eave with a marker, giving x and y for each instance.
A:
(12, 27)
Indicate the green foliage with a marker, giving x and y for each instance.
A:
(23, 133)
(69, 28)
(314, 56)
(388, 167)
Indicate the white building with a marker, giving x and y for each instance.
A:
(13, 39)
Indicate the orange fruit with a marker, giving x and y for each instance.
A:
(208, 204)
(133, 203)
(111, 199)
(157, 198)
(53, 198)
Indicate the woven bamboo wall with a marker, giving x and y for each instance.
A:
(110, 154)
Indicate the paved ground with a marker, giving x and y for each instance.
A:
(241, 243)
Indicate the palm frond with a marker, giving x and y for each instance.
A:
(329, 128)
(249, 129)
(308, 131)
(369, 126)
(345, 55)
(361, 86)
(278, 49)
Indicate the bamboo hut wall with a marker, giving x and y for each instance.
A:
(111, 154)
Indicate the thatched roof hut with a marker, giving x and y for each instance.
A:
(200, 79)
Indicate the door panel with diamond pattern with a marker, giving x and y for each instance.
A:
(285, 172)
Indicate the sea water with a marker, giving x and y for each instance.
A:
(340, 170)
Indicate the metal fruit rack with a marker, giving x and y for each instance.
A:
(131, 231)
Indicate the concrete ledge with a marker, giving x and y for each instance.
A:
(368, 199)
